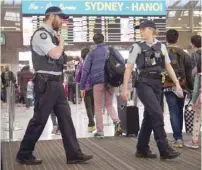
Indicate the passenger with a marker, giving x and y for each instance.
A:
(196, 44)
(181, 64)
(25, 76)
(88, 98)
(95, 67)
(196, 96)
(151, 58)
(30, 95)
(48, 61)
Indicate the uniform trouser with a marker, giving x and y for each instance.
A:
(150, 96)
(49, 96)
(89, 104)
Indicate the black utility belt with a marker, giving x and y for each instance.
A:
(150, 75)
(48, 77)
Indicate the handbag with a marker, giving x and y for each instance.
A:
(189, 117)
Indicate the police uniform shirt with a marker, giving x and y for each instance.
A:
(136, 50)
(42, 44)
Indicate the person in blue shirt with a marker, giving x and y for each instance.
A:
(94, 66)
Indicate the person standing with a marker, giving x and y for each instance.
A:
(181, 64)
(25, 76)
(196, 96)
(88, 99)
(151, 58)
(48, 59)
(95, 67)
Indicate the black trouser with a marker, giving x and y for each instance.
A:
(150, 96)
(49, 96)
(24, 94)
(89, 103)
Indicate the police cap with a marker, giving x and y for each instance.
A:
(56, 11)
(146, 23)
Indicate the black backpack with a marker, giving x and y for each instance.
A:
(115, 68)
(176, 58)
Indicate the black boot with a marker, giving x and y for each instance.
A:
(148, 154)
(79, 159)
(169, 153)
(32, 160)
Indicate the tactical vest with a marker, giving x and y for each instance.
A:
(44, 62)
(151, 61)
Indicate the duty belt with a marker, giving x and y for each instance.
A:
(49, 77)
(150, 75)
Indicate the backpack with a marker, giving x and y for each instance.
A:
(115, 68)
(176, 58)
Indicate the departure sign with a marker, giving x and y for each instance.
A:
(114, 19)
(92, 7)
(80, 29)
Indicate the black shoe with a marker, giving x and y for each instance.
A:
(31, 161)
(169, 154)
(149, 154)
(80, 159)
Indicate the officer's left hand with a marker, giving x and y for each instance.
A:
(83, 93)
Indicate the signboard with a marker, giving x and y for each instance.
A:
(2, 39)
(11, 19)
(98, 7)
(82, 28)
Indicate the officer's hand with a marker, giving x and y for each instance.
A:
(83, 93)
(125, 94)
(60, 38)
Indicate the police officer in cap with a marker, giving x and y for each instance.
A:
(151, 59)
(48, 61)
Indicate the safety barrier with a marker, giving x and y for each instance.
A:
(11, 99)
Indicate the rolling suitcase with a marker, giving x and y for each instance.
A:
(129, 117)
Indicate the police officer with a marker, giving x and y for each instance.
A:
(151, 58)
(48, 61)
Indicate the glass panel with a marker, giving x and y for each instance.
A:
(183, 3)
(171, 2)
(8, 2)
(17, 2)
(178, 20)
(197, 20)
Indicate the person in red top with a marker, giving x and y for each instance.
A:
(25, 76)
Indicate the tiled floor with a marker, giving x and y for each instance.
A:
(80, 120)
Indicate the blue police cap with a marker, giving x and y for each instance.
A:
(56, 11)
(146, 23)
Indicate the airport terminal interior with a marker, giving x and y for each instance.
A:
(116, 20)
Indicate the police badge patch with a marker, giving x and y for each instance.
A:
(43, 35)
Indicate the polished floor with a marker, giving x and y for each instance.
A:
(111, 153)
(23, 115)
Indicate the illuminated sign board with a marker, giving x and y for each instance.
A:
(99, 7)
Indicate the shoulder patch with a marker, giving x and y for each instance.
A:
(131, 49)
(43, 35)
